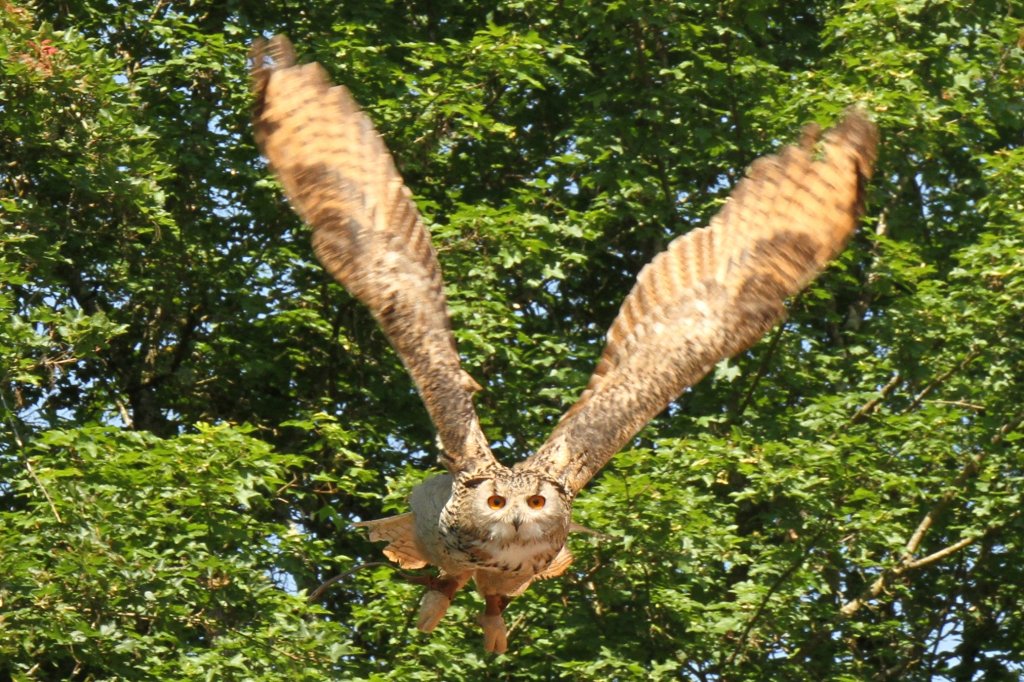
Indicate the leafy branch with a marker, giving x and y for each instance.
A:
(908, 562)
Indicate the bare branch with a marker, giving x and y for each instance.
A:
(46, 494)
(942, 553)
(958, 403)
(937, 381)
(872, 405)
(907, 562)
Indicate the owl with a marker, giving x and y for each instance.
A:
(711, 294)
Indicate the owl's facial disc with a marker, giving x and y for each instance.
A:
(518, 505)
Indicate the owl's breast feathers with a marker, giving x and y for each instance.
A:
(507, 570)
(431, 534)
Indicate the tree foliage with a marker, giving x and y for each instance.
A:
(194, 414)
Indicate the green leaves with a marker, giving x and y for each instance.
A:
(152, 563)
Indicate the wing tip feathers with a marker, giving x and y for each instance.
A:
(266, 57)
(275, 53)
(856, 131)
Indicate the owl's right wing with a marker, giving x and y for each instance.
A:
(367, 232)
(714, 292)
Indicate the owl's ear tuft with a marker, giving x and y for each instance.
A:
(474, 482)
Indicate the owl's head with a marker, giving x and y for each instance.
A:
(516, 505)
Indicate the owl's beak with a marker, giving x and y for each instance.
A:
(517, 521)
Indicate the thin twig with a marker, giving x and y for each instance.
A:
(519, 620)
(762, 369)
(855, 312)
(942, 377)
(28, 463)
(46, 494)
(13, 422)
(776, 585)
(315, 595)
(958, 403)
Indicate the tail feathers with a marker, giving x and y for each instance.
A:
(399, 533)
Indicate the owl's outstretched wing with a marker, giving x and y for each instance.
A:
(367, 232)
(400, 534)
(715, 291)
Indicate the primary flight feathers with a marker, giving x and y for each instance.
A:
(367, 232)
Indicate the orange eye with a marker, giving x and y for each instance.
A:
(535, 501)
(495, 501)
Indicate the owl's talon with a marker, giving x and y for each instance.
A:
(446, 586)
(495, 634)
(433, 606)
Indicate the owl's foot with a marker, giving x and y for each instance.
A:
(495, 633)
(436, 599)
(433, 606)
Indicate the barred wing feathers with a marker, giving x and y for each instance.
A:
(715, 291)
(367, 232)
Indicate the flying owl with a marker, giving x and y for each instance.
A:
(711, 294)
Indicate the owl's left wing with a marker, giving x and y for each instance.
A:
(714, 292)
(367, 232)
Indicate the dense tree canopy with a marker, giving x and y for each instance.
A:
(193, 413)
